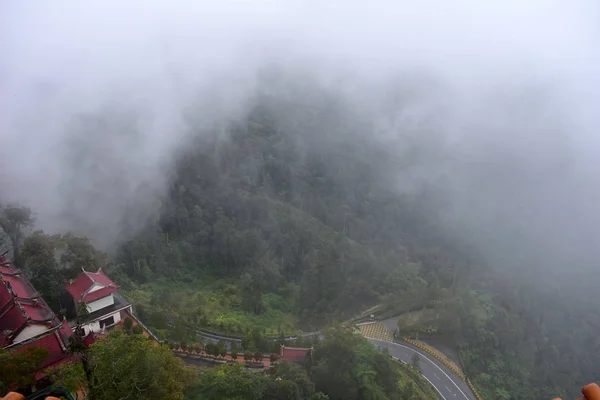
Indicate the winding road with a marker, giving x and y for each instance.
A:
(448, 385)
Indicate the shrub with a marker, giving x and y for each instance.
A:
(137, 330)
(128, 324)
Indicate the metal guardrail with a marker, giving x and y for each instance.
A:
(437, 357)
(447, 364)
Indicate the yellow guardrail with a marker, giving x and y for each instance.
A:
(447, 364)
(475, 392)
(437, 356)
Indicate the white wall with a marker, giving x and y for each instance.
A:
(95, 287)
(101, 303)
(95, 326)
(30, 331)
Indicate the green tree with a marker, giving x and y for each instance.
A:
(211, 349)
(137, 330)
(127, 324)
(222, 348)
(14, 219)
(348, 367)
(131, 366)
(234, 350)
(38, 256)
(77, 253)
(19, 367)
(284, 389)
(70, 376)
(230, 381)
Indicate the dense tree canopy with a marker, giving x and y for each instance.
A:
(134, 367)
(18, 368)
(347, 367)
(290, 216)
(295, 201)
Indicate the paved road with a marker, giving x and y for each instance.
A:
(448, 385)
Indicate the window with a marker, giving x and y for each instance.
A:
(106, 322)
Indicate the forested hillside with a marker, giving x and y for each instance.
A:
(296, 213)
(291, 216)
(262, 169)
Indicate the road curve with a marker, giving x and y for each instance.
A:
(448, 385)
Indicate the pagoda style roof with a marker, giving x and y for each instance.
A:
(20, 304)
(296, 354)
(91, 286)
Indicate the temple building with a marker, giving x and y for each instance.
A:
(295, 354)
(27, 321)
(105, 305)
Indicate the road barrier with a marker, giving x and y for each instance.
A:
(437, 356)
(447, 364)
(475, 392)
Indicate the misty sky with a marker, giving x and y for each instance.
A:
(516, 102)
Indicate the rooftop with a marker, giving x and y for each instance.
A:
(81, 287)
(297, 354)
(119, 304)
(20, 304)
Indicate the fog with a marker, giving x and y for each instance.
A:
(500, 96)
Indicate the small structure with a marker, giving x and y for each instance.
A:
(295, 354)
(105, 305)
(26, 320)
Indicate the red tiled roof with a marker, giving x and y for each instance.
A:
(20, 304)
(37, 313)
(48, 341)
(293, 353)
(79, 288)
(65, 332)
(98, 294)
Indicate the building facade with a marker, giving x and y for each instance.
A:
(100, 295)
(27, 321)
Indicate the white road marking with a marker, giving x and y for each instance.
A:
(436, 389)
(428, 359)
(436, 376)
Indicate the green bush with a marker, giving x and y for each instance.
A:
(137, 330)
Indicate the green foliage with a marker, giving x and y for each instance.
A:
(48, 272)
(348, 367)
(221, 348)
(289, 217)
(137, 330)
(19, 367)
(70, 376)
(15, 220)
(286, 382)
(370, 375)
(234, 350)
(131, 366)
(230, 382)
(127, 323)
